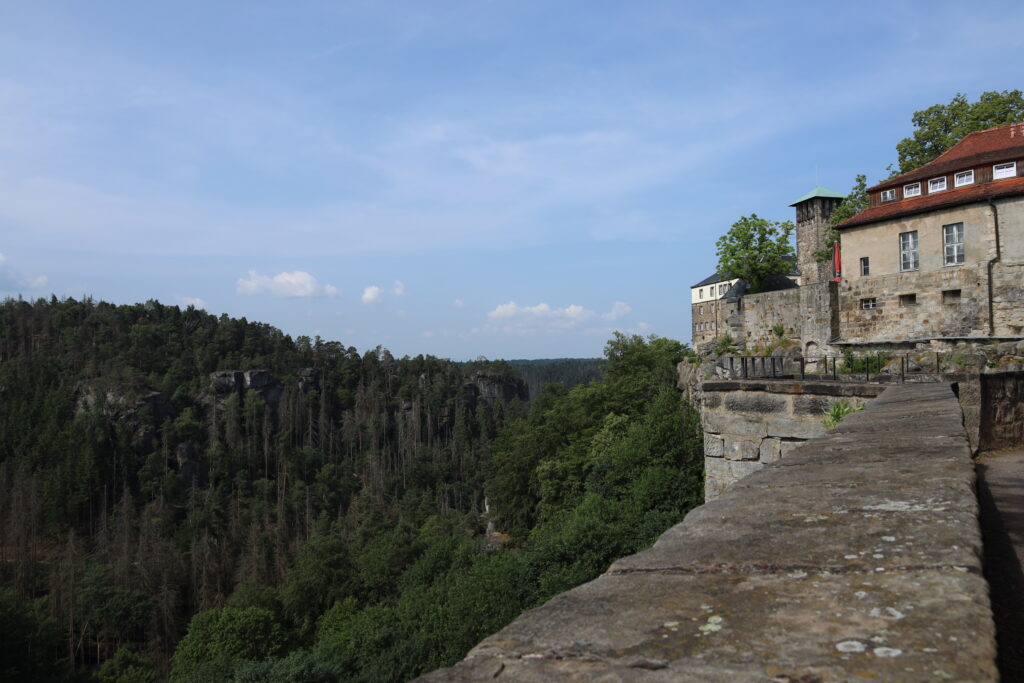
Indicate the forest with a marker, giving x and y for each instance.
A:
(189, 497)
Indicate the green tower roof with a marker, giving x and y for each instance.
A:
(820, 191)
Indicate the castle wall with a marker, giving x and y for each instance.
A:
(748, 424)
(759, 313)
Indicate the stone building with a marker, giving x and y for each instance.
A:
(939, 252)
(801, 302)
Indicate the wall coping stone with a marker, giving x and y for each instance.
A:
(856, 556)
(840, 388)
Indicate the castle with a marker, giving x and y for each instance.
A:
(937, 257)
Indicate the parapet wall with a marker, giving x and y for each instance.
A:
(748, 424)
(855, 557)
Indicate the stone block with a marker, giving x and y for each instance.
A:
(713, 447)
(787, 446)
(770, 450)
(791, 428)
(711, 400)
(740, 449)
(720, 474)
(759, 403)
(733, 424)
(810, 405)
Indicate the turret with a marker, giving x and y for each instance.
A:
(812, 228)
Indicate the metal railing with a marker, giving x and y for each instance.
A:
(849, 367)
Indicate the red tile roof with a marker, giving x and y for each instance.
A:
(976, 149)
(980, 148)
(961, 195)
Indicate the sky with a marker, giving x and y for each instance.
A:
(510, 179)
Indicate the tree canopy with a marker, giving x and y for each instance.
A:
(941, 126)
(754, 249)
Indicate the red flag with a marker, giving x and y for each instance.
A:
(837, 264)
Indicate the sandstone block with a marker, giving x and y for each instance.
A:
(713, 447)
(733, 424)
(759, 403)
(770, 450)
(740, 449)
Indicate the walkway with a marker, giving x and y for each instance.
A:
(1001, 493)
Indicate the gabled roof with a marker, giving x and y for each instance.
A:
(983, 147)
(819, 191)
(709, 280)
(975, 149)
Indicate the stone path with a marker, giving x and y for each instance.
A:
(1001, 494)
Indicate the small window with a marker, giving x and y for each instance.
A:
(889, 195)
(963, 178)
(911, 190)
(721, 290)
(700, 293)
(937, 184)
(865, 266)
(1007, 170)
(953, 244)
(908, 300)
(951, 296)
(908, 251)
(869, 304)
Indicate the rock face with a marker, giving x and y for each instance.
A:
(855, 557)
(489, 388)
(226, 382)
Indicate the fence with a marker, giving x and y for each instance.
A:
(850, 367)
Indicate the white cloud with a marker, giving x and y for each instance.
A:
(12, 280)
(373, 295)
(399, 289)
(191, 301)
(458, 303)
(298, 283)
(619, 309)
(529, 319)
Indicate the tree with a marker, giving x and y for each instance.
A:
(854, 203)
(754, 249)
(941, 126)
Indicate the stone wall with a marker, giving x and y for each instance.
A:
(1002, 414)
(856, 557)
(759, 313)
(748, 424)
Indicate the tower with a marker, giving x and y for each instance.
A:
(812, 228)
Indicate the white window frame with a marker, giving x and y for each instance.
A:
(869, 304)
(1004, 170)
(934, 184)
(912, 190)
(865, 266)
(963, 178)
(888, 195)
(910, 254)
(953, 251)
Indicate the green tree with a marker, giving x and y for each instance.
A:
(754, 249)
(941, 126)
(854, 203)
(218, 640)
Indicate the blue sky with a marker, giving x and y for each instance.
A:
(506, 179)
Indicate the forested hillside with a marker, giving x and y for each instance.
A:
(565, 371)
(205, 498)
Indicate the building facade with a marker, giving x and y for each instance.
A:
(939, 252)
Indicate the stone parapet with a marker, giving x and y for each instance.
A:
(749, 423)
(855, 557)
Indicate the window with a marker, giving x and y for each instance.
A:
(937, 184)
(1007, 170)
(963, 178)
(700, 293)
(865, 266)
(908, 300)
(953, 244)
(721, 290)
(889, 195)
(911, 190)
(951, 296)
(908, 251)
(869, 304)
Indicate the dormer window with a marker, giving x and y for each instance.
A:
(937, 184)
(963, 178)
(1007, 170)
(911, 190)
(889, 195)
